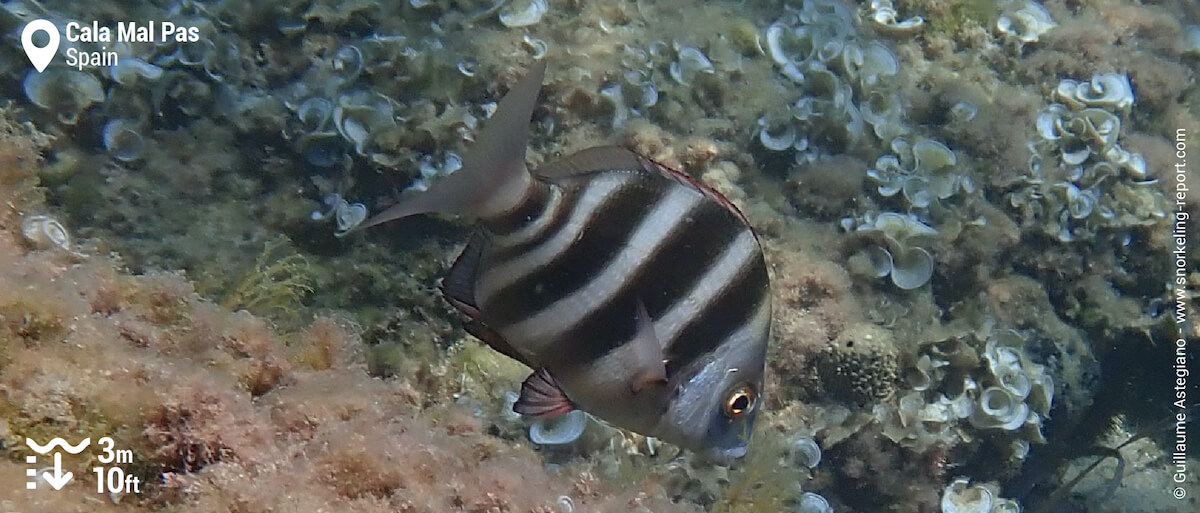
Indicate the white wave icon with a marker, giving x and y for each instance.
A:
(72, 449)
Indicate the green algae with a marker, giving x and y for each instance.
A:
(275, 286)
(965, 13)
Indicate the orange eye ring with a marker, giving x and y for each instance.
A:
(740, 401)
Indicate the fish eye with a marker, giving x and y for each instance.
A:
(740, 401)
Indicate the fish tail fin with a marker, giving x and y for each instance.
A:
(493, 178)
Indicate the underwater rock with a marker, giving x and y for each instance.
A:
(183, 91)
(322, 149)
(827, 186)
(1191, 39)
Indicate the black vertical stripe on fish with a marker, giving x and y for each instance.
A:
(553, 217)
(673, 271)
(664, 278)
(532, 206)
(580, 262)
(668, 214)
(588, 205)
(732, 308)
(739, 253)
(605, 328)
(730, 275)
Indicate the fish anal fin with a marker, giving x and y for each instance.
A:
(542, 397)
(458, 287)
(650, 369)
(496, 341)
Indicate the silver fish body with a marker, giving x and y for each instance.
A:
(640, 295)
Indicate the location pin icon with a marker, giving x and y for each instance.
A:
(40, 57)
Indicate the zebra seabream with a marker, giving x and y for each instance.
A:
(635, 293)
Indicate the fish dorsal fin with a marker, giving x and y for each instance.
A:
(541, 396)
(610, 158)
(705, 189)
(592, 160)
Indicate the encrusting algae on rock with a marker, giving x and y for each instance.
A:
(219, 413)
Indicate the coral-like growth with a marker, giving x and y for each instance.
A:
(860, 366)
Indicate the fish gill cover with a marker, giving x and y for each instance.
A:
(976, 216)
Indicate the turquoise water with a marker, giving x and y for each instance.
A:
(978, 218)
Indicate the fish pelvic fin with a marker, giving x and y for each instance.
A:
(493, 178)
(541, 396)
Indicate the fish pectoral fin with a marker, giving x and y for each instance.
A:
(649, 367)
(643, 380)
(542, 397)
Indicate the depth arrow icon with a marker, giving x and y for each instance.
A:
(58, 479)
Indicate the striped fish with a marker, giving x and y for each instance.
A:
(636, 293)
